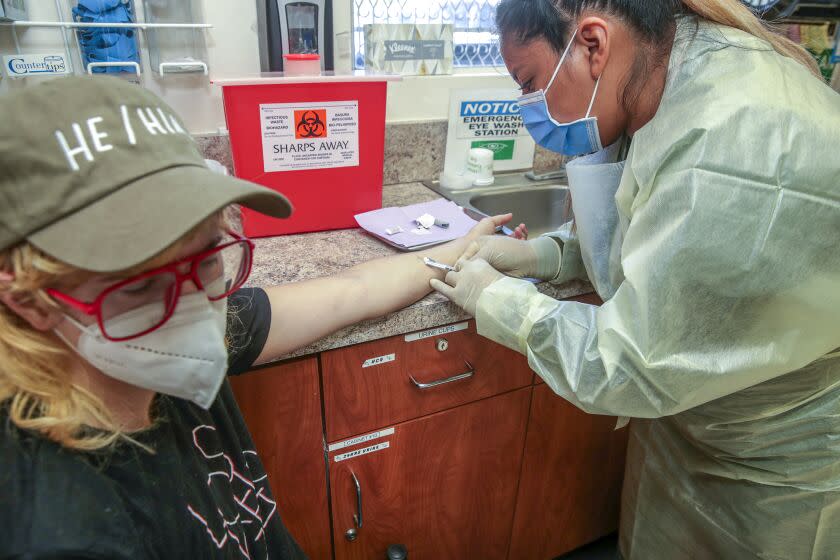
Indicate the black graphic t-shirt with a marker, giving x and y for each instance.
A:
(202, 494)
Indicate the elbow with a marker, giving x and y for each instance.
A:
(615, 397)
(360, 301)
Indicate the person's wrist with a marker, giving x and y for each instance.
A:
(548, 257)
(450, 252)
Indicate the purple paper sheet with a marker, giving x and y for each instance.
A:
(377, 221)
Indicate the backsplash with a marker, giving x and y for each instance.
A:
(416, 151)
(413, 151)
(217, 147)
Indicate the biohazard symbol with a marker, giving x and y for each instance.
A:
(311, 124)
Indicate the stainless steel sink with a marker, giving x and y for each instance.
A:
(542, 206)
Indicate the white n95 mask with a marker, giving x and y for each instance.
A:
(185, 358)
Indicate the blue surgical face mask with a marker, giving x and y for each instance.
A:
(576, 138)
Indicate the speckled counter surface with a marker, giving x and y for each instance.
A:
(292, 258)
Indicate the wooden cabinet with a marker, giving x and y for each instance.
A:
(572, 472)
(485, 465)
(445, 485)
(282, 407)
(591, 299)
(387, 381)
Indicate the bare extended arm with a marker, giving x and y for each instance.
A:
(304, 312)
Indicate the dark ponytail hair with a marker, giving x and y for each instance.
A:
(524, 20)
(653, 21)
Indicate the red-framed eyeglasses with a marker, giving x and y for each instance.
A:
(139, 305)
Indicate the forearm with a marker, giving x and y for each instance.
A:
(304, 312)
(571, 261)
(392, 283)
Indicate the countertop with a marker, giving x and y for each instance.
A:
(293, 258)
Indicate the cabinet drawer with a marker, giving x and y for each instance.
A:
(375, 384)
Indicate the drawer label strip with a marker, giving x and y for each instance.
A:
(362, 439)
(431, 333)
(360, 452)
(379, 361)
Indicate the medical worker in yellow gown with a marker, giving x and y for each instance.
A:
(706, 200)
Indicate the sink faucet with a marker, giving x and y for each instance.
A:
(551, 175)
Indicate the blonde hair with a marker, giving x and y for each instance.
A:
(734, 13)
(34, 385)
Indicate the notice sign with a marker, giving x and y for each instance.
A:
(485, 119)
(298, 136)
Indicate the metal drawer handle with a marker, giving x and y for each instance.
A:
(352, 533)
(358, 516)
(433, 384)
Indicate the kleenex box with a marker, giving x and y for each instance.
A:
(13, 9)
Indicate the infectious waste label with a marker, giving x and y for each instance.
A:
(298, 136)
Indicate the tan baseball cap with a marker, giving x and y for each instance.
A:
(101, 174)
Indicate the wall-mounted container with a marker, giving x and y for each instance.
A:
(320, 140)
(302, 65)
(294, 27)
(175, 50)
(13, 10)
(107, 50)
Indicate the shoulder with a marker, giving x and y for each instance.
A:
(712, 60)
(55, 504)
(735, 107)
(249, 322)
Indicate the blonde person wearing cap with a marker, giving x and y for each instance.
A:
(121, 314)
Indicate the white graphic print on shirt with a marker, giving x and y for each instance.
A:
(255, 507)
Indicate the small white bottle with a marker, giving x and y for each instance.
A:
(480, 167)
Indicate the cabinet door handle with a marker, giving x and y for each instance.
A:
(453, 379)
(357, 517)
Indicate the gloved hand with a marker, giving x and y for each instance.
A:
(465, 284)
(488, 226)
(538, 258)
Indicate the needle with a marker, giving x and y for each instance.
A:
(434, 264)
